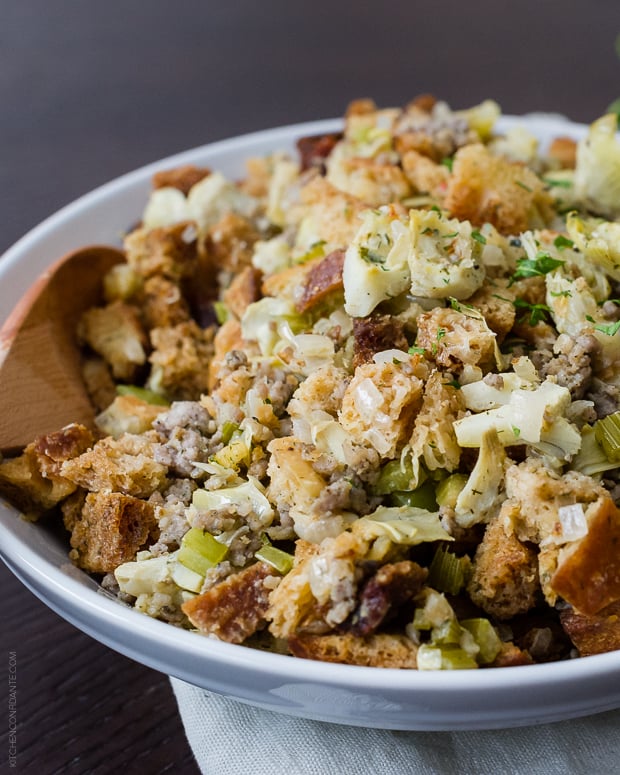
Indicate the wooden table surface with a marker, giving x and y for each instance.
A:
(90, 90)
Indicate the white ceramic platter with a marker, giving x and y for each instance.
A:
(464, 699)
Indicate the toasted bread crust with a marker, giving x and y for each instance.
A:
(380, 650)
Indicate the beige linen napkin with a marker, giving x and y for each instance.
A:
(230, 738)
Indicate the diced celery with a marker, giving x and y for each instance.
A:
(422, 498)
(277, 558)
(444, 657)
(607, 433)
(591, 458)
(485, 636)
(200, 551)
(448, 632)
(395, 476)
(144, 394)
(221, 311)
(447, 572)
(228, 429)
(449, 490)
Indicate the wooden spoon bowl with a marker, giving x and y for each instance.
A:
(41, 386)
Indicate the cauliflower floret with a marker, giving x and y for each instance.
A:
(597, 172)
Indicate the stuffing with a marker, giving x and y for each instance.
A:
(127, 414)
(433, 440)
(570, 362)
(499, 313)
(485, 188)
(183, 178)
(563, 151)
(110, 530)
(235, 608)
(379, 406)
(368, 180)
(435, 133)
(229, 243)
(163, 303)
(425, 175)
(116, 333)
(228, 339)
(322, 281)
(315, 149)
(125, 465)
(454, 339)
(596, 633)
(376, 333)
(168, 251)
(333, 213)
(504, 580)
(34, 481)
(379, 650)
(180, 360)
(98, 382)
(243, 291)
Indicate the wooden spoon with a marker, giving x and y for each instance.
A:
(41, 386)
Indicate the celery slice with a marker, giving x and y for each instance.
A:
(444, 657)
(280, 560)
(449, 489)
(228, 429)
(486, 638)
(200, 551)
(422, 498)
(607, 433)
(447, 572)
(144, 394)
(591, 458)
(448, 632)
(396, 476)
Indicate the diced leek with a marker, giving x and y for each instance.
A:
(396, 476)
(200, 551)
(448, 632)
(186, 578)
(591, 458)
(607, 433)
(233, 454)
(422, 498)
(486, 638)
(228, 429)
(144, 394)
(444, 657)
(447, 572)
(280, 560)
(221, 312)
(449, 489)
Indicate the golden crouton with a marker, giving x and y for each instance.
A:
(98, 381)
(322, 281)
(334, 213)
(486, 188)
(588, 574)
(504, 580)
(243, 291)
(366, 179)
(294, 484)
(180, 360)
(33, 481)
(235, 608)
(115, 332)
(126, 465)
(258, 175)
(170, 251)
(230, 387)
(289, 283)
(229, 243)
(454, 339)
(361, 107)
(162, 303)
(425, 175)
(563, 150)
(110, 530)
(379, 650)
(595, 634)
(183, 178)
(379, 406)
(499, 313)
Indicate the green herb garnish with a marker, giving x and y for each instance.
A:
(541, 265)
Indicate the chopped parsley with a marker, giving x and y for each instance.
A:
(479, 237)
(566, 294)
(454, 383)
(558, 183)
(441, 332)
(562, 242)
(448, 162)
(416, 351)
(611, 329)
(534, 312)
(372, 256)
(541, 265)
(516, 431)
(522, 185)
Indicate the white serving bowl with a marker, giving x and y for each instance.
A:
(392, 699)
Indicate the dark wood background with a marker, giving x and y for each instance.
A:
(91, 90)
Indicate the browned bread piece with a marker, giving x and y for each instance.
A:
(376, 333)
(588, 573)
(110, 530)
(182, 178)
(504, 580)
(180, 360)
(162, 303)
(33, 481)
(323, 280)
(595, 634)
(381, 650)
(170, 251)
(243, 290)
(235, 608)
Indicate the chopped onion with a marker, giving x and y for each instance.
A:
(573, 521)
